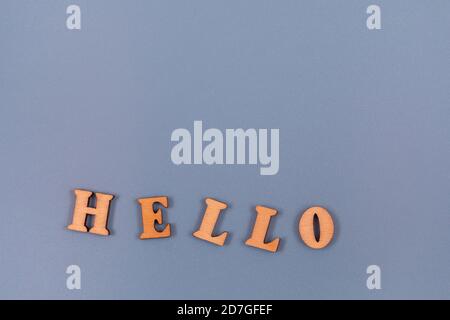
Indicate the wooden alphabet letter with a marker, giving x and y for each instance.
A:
(209, 221)
(260, 230)
(82, 209)
(326, 227)
(150, 217)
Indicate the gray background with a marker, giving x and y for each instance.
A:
(364, 125)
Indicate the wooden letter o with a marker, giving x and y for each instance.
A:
(326, 227)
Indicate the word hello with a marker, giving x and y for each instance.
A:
(229, 148)
(316, 226)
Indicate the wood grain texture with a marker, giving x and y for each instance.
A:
(326, 225)
(212, 212)
(258, 236)
(82, 209)
(151, 217)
